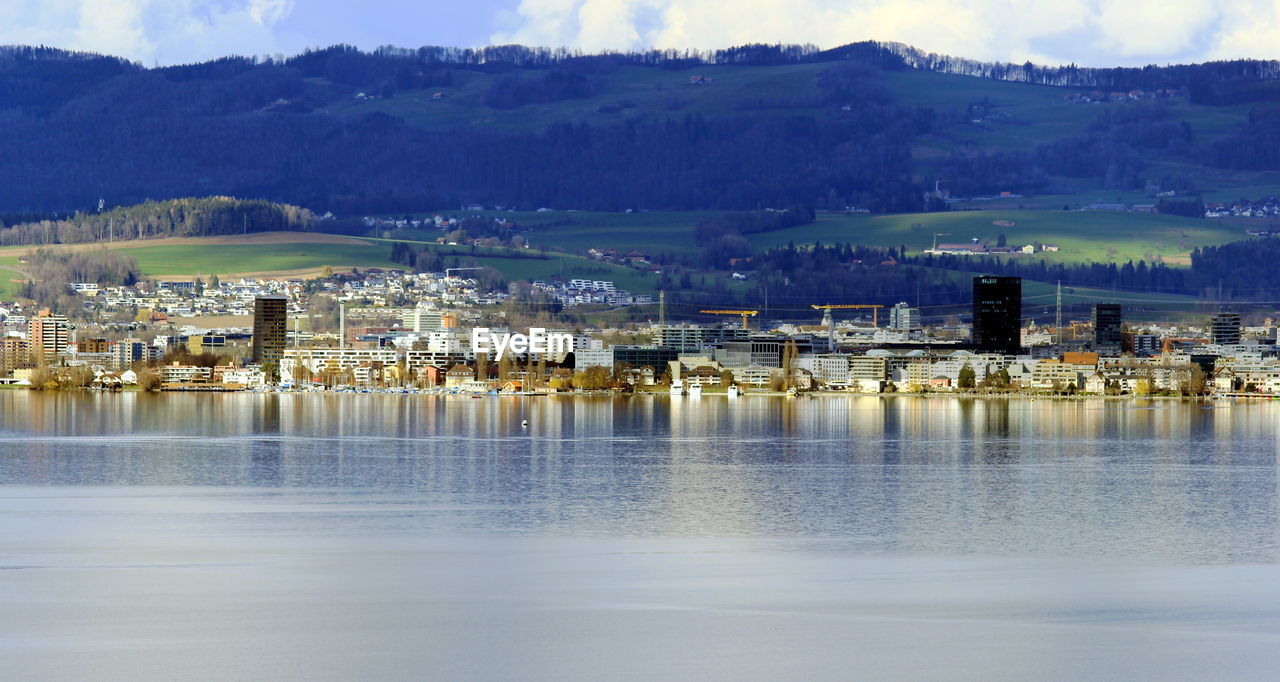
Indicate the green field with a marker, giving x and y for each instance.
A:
(187, 260)
(567, 266)
(1102, 237)
(211, 259)
(1082, 236)
(8, 288)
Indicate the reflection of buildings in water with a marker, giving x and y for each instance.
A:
(706, 487)
(266, 456)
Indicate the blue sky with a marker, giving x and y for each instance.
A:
(1087, 32)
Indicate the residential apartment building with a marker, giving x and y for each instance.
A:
(15, 352)
(47, 334)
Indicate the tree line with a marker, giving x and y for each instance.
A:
(50, 271)
(190, 217)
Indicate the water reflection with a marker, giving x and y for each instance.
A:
(882, 473)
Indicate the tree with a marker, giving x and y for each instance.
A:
(149, 379)
(1194, 383)
(998, 379)
(43, 379)
(594, 378)
(967, 379)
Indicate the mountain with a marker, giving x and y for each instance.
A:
(873, 125)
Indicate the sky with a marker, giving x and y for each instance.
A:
(1085, 32)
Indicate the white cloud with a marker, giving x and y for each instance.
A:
(1094, 32)
(149, 31)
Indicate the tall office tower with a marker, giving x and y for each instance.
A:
(1224, 328)
(904, 318)
(47, 334)
(270, 318)
(1106, 329)
(997, 314)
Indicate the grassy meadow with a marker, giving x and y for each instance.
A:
(222, 259)
(1082, 236)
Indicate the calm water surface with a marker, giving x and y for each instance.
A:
(409, 537)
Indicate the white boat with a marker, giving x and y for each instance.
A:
(734, 391)
(695, 391)
(677, 387)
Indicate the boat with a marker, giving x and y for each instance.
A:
(791, 392)
(677, 387)
(734, 391)
(695, 391)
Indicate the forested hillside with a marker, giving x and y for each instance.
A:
(155, 219)
(741, 129)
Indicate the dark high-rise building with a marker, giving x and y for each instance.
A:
(997, 314)
(270, 320)
(1106, 329)
(1224, 328)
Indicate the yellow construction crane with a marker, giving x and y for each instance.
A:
(744, 313)
(875, 309)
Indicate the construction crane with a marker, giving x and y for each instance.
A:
(935, 239)
(744, 313)
(449, 270)
(874, 307)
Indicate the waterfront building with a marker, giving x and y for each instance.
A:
(417, 361)
(318, 360)
(868, 368)
(831, 369)
(917, 375)
(997, 314)
(753, 375)
(1107, 318)
(654, 357)
(14, 353)
(593, 357)
(182, 374)
(270, 315)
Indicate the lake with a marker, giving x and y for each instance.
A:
(276, 536)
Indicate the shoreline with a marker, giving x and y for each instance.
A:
(808, 395)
